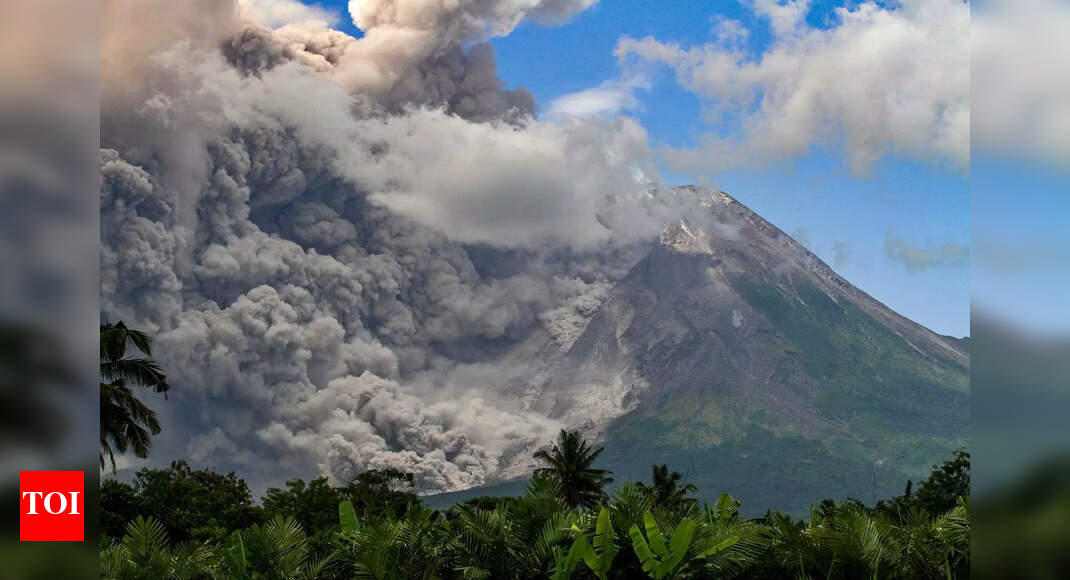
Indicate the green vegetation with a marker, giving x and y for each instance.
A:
(197, 505)
(126, 422)
(871, 411)
(912, 390)
(183, 523)
(665, 489)
(1025, 523)
(277, 550)
(569, 463)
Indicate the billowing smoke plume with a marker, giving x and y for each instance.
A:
(412, 52)
(410, 48)
(341, 243)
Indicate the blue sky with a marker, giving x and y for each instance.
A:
(926, 203)
(1021, 271)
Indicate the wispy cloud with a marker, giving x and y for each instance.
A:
(841, 254)
(922, 258)
(607, 99)
(801, 235)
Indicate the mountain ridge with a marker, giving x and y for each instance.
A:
(732, 352)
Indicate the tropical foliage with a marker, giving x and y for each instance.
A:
(561, 528)
(570, 463)
(125, 422)
(276, 550)
(666, 490)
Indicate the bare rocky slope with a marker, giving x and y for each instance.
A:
(736, 356)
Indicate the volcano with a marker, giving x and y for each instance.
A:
(736, 356)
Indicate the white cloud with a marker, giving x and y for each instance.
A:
(607, 99)
(785, 17)
(1021, 92)
(278, 13)
(878, 82)
(729, 32)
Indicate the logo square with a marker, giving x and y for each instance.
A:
(51, 506)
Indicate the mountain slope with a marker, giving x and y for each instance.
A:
(740, 358)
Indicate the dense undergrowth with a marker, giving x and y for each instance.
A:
(182, 523)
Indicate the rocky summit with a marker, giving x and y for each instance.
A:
(736, 356)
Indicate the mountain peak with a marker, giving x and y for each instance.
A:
(700, 234)
(730, 341)
(686, 239)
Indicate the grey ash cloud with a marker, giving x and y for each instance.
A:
(334, 240)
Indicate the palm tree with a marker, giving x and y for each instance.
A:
(386, 547)
(857, 543)
(126, 422)
(523, 538)
(146, 552)
(277, 550)
(666, 491)
(731, 544)
(568, 463)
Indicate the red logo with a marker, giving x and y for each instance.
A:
(52, 506)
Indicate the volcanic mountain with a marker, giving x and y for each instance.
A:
(736, 356)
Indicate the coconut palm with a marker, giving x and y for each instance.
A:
(665, 490)
(538, 536)
(125, 422)
(568, 463)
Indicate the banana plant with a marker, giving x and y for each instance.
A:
(236, 557)
(347, 517)
(565, 564)
(661, 560)
(603, 547)
(597, 553)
